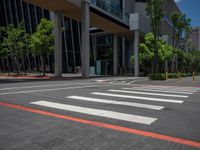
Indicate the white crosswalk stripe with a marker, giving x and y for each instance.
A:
(167, 88)
(98, 112)
(160, 91)
(147, 93)
(175, 87)
(128, 98)
(154, 107)
(139, 97)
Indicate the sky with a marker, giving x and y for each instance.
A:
(192, 10)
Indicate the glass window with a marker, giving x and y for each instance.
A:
(33, 17)
(2, 14)
(19, 10)
(112, 6)
(26, 18)
(46, 14)
(13, 11)
(8, 12)
(39, 13)
(76, 36)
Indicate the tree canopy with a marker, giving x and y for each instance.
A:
(154, 9)
(42, 41)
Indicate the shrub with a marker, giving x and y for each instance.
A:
(160, 76)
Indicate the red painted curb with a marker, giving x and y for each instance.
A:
(26, 77)
(108, 126)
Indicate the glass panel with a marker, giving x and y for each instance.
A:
(114, 7)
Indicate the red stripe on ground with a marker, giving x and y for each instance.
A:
(108, 126)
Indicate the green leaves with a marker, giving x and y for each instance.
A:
(146, 51)
(42, 40)
(13, 41)
(155, 12)
(3, 52)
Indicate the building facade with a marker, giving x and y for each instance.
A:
(195, 37)
(125, 18)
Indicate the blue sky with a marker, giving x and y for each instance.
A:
(192, 9)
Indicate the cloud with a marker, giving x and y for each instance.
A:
(177, 1)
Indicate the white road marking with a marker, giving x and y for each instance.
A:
(154, 107)
(168, 87)
(132, 82)
(152, 90)
(48, 85)
(176, 87)
(98, 112)
(48, 90)
(139, 97)
(165, 88)
(147, 93)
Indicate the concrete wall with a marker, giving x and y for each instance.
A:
(166, 27)
(140, 8)
(195, 37)
(169, 7)
(129, 6)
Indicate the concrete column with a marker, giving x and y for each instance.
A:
(58, 44)
(136, 47)
(85, 38)
(115, 54)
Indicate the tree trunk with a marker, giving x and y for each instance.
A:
(1, 64)
(23, 65)
(173, 65)
(44, 64)
(155, 56)
(8, 64)
(17, 65)
(166, 66)
(29, 62)
(176, 64)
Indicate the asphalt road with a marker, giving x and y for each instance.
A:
(99, 114)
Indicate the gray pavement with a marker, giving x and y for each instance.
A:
(24, 130)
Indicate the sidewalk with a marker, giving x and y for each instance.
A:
(69, 76)
(186, 81)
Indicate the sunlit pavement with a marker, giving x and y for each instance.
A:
(100, 113)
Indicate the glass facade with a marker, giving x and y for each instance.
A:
(113, 7)
(13, 12)
(101, 46)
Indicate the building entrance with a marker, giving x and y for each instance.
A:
(104, 55)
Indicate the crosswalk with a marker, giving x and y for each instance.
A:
(134, 97)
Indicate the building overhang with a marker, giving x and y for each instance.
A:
(99, 19)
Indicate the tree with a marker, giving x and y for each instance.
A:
(26, 49)
(165, 53)
(187, 30)
(41, 41)
(155, 12)
(146, 53)
(2, 55)
(181, 31)
(177, 22)
(13, 43)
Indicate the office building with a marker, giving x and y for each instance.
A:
(99, 37)
(195, 37)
